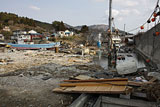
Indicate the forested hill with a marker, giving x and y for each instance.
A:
(7, 19)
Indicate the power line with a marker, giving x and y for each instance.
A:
(148, 21)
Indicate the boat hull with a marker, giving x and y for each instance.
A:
(34, 46)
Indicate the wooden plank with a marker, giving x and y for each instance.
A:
(98, 80)
(103, 88)
(153, 79)
(94, 83)
(78, 88)
(69, 89)
(93, 89)
(132, 83)
(108, 88)
(60, 89)
(90, 88)
(117, 89)
(57, 90)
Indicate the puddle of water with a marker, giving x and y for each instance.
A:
(103, 60)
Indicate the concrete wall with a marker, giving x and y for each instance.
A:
(150, 45)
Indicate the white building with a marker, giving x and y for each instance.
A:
(6, 28)
(23, 37)
(1, 37)
(18, 34)
(116, 39)
(65, 33)
(129, 39)
(61, 34)
(32, 32)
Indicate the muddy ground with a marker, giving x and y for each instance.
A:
(27, 78)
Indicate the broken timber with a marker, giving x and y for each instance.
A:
(132, 83)
(105, 86)
(98, 80)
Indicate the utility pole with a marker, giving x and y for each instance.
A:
(109, 34)
(110, 15)
(124, 29)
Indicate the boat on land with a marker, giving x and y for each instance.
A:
(34, 46)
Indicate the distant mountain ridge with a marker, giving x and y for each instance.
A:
(99, 27)
(102, 27)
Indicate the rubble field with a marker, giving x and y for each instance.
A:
(43, 78)
(27, 78)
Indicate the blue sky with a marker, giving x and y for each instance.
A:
(133, 13)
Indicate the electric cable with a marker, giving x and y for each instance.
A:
(148, 21)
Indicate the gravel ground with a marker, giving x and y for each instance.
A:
(29, 79)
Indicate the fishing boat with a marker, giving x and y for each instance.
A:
(34, 46)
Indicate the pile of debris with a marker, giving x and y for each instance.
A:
(127, 90)
(80, 49)
(5, 61)
(4, 47)
(102, 86)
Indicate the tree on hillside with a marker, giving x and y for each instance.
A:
(84, 29)
(7, 35)
(1, 26)
(59, 26)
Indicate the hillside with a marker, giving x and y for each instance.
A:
(16, 22)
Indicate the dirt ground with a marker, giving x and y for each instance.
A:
(27, 78)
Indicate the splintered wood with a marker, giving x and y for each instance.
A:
(102, 86)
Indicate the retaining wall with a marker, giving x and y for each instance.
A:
(149, 44)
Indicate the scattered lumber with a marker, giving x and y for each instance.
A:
(102, 86)
(119, 83)
(98, 80)
(153, 79)
(93, 89)
(132, 83)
